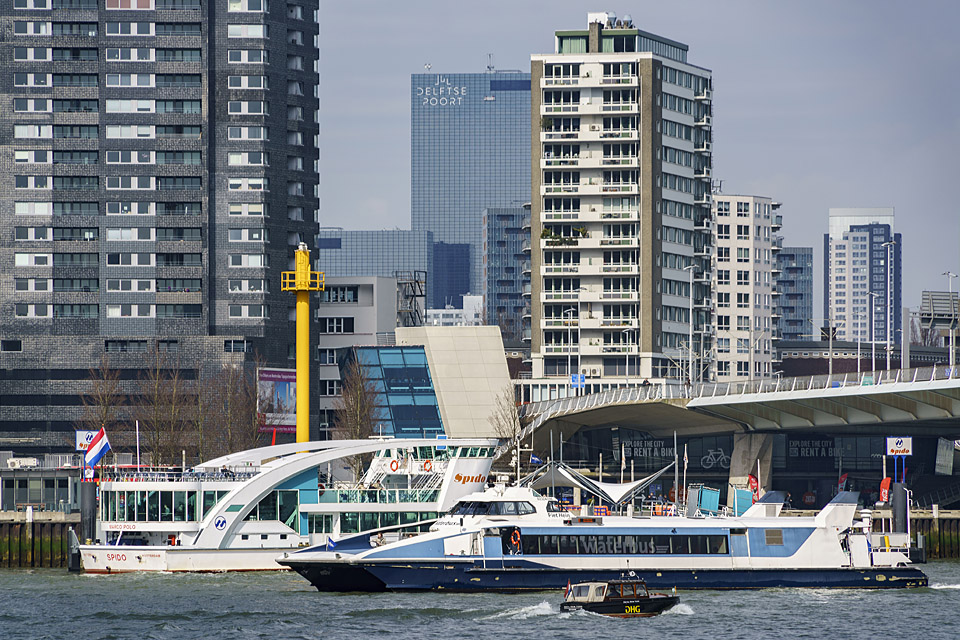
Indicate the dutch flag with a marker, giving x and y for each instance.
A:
(97, 449)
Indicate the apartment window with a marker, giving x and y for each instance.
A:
(130, 259)
(723, 231)
(295, 138)
(130, 131)
(129, 157)
(76, 311)
(723, 345)
(179, 208)
(170, 183)
(723, 254)
(258, 6)
(130, 182)
(294, 163)
(743, 300)
(247, 235)
(723, 323)
(743, 232)
(178, 80)
(237, 346)
(336, 325)
(140, 286)
(295, 213)
(248, 184)
(145, 5)
(723, 276)
(246, 31)
(743, 277)
(128, 54)
(247, 56)
(11, 345)
(130, 80)
(723, 368)
(743, 323)
(247, 311)
(294, 63)
(294, 12)
(723, 299)
(179, 106)
(179, 311)
(251, 260)
(247, 82)
(247, 133)
(127, 29)
(130, 311)
(743, 254)
(84, 131)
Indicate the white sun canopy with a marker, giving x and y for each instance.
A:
(561, 474)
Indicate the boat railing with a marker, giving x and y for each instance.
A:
(181, 476)
(360, 496)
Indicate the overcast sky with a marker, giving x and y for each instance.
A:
(817, 104)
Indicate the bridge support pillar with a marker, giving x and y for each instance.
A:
(748, 448)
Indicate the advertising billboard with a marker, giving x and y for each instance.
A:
(277, 400)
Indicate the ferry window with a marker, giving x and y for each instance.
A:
(179, 506)
(524, 508)
(264, 536)
(209, 501)
(166, 506)
(369, 521)
(349, 522)
(191, 506)
(554, 507)
(508, 508)
(244, 537)
(568, 545)
(773, 537)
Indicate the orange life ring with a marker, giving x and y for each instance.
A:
(515, 538)
(320, 489)
(394, 465)
(428, 466)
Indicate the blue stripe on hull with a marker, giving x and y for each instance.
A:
(424, 576)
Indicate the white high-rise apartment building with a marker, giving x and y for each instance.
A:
(861, 292)
(744, 288)
(621, 218)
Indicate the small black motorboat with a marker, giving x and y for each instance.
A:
(624, 598)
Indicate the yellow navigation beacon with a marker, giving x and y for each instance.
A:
(303, 280)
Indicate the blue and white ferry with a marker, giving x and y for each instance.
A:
(239, 512)
(513, 539)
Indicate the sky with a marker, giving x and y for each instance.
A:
(817, 104)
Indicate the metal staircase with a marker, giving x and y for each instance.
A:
(944, 496)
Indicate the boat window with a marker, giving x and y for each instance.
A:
(773, 537)
(581, 591)
(554, 507)
(508, 508)
(525, 508)
(598, 592)
(589, 544)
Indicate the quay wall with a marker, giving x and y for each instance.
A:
(43, 543)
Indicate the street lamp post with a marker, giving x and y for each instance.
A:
(953, 310)
(889, 245)
(691, 268)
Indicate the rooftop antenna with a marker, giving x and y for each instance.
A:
(490, 66)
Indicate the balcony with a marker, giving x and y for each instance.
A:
(701, 173)
(702, 199)
(703, 121)
(704, 95)
(703, 146)
(704, 251)
(704, 223)
(619, 80)
(777, 222)
(561, 81)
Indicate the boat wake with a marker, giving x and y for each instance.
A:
(679, 609)
(945, 586)
(523, 613)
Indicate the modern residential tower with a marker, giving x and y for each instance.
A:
(159, 174)
(744, 286)
(862, 275)
(621, 218)
(794, 289)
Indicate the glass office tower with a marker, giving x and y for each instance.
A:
(469, 150)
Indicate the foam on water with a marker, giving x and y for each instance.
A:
(522, 613)
(679, 609)
(945, 586)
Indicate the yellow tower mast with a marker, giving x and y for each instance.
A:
(303, 280)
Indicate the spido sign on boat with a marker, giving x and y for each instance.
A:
(899, 446)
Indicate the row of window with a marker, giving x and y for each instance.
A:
(252, 209)
(152, 183)
(678, 544)
(91, 132)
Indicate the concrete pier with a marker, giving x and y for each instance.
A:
(40, 541)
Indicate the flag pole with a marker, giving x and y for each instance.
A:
(138, 446)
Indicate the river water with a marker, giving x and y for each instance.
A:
(53, 604)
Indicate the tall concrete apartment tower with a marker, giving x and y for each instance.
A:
(158, 174)
(744, 285)
(862, 275)
(621, 219)
(469, 144)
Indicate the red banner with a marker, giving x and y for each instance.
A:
(885, 489)
(842, 484)
(754, 486)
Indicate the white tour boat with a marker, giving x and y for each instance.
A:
(513, 539)
(241, 511)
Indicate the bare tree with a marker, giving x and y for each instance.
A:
(355, 411)
(231, 422)
(162, 409)
(506, 423)
(924, 335)
(103, 403)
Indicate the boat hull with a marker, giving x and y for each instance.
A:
(131, 558)
(630, 608)
(444, 576)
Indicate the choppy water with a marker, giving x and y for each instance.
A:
(52, 604)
